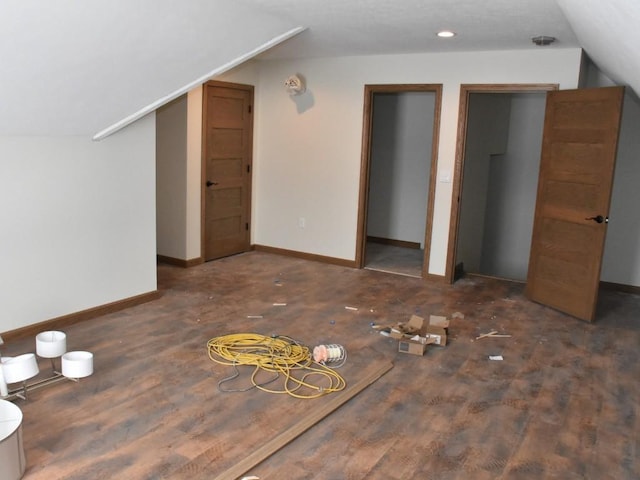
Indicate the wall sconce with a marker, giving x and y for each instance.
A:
(52, 345)
(295, 85)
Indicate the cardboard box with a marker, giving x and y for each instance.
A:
(415, 345)
(414, 335)
(436, 328)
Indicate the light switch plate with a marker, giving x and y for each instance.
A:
(445, 176)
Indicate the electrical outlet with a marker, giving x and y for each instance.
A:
(301, 222)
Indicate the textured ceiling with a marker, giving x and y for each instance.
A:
(81, 66)
(367, 27)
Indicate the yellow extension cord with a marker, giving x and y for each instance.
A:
(280, 355)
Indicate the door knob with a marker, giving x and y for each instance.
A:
(209, 183)
(598, 219)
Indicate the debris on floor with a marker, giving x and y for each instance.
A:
(414, 335)
(496, 357)
(492, 334)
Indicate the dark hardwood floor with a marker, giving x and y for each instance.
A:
(563, 404)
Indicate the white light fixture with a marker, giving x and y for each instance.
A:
(446, 34)
(18, 370)
(295, 85)
(21, 368)
(52, 345)
(77, 364)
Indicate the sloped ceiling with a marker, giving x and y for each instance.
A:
(609, 32)
(82, 66)
(78, 66)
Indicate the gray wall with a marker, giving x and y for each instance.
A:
(621, 260)
(504, 137)
(487, 131)
(513, 183)
(400, 165)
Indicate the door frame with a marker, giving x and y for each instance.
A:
(203, 159)
(463, 115)
(365, 164)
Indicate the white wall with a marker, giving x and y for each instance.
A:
(308, 149)
(171, 179)
(78, 222)
(308, 159)
(179, 160)
(401, 145)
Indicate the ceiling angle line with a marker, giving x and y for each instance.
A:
(101, 135)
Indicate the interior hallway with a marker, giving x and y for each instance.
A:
(562, 404)
(393, 259)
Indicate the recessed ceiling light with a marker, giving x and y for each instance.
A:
(446, 34)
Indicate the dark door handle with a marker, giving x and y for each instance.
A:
(598, 219)
(209, 183)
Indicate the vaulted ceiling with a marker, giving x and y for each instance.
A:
(82, 66)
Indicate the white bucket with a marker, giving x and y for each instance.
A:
(77, 364)
(12, 460)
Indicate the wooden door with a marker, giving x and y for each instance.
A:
(574, 190)
(227, 139)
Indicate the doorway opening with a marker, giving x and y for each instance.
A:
(401, 124)
(497, 166)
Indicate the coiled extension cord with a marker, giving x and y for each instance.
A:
(280, 355)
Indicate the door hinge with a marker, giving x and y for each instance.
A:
(249, 108)
(246, 227)
(248, 168)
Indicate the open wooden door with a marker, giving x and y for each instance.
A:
(574, 191)
(227, 147)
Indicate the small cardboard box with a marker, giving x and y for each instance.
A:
(436, 328)
(415, 345)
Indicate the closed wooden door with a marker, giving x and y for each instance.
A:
(228, 127)
(574, 191)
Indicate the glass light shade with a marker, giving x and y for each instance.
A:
(77, 364)
(51, 344)
(20, 368)
(12, 460)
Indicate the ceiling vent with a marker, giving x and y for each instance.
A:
(543, 40)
